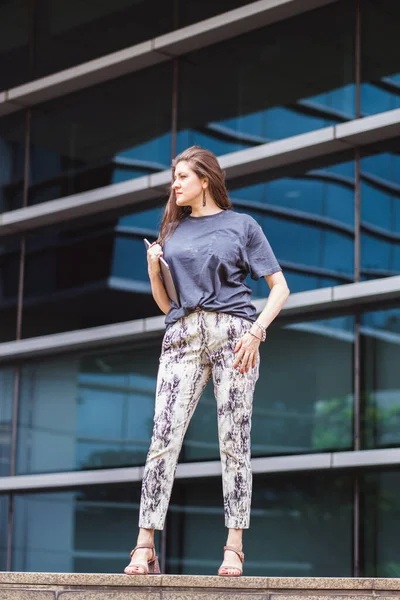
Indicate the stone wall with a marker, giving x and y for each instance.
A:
(52, 586)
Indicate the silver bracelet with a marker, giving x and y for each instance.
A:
(263, 330)
(256, 336)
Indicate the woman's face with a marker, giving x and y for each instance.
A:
(187, 185)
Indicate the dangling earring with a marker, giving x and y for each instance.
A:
(204, 197)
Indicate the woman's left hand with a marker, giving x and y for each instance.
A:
(246, 351)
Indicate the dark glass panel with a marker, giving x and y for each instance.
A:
(12, 158)
(249, 90)
(381, 378)
(70, 32)
(96, 529)
(4, 500)
(6, 404)
(94, 274)
(380, 211)
(92, 411)
(380, 59)
(12, 152)
(10, 252)
(301, 403)
(191, 12)
(301, 526)
(14, 42)
(309, 220)
(105, 134)
(381, 524)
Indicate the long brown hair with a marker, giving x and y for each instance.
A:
(205, 164)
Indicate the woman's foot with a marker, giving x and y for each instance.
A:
(143, 556)
(139, 561)
(233, 562)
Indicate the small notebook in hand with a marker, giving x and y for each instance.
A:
(166, 277)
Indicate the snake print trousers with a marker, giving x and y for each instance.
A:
(195, 348)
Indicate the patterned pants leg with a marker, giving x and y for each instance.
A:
(234, 394)
(193, 349)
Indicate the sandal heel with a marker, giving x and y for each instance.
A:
(154, 567)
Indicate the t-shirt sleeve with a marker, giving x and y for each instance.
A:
(261, 259)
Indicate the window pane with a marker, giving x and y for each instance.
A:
(380, 212)
(90, 275)
(6, 404)
(308, 518)
(381, 521)
(255, 92)
(12, 152)
(10, 253)
(14, 43)
(70, 32)
(309, 221)
(12, 158)
(191, 12)
(381, 378)
(92, 411)
(380, 60)
(105, 134)
(3, 531)
(96, 529)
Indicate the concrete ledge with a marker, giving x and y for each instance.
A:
(55, 586)
(361, 131)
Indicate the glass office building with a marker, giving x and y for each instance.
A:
(301, 103)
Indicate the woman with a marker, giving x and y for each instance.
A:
(214, 332)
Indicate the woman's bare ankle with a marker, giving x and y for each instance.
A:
(235, 538)
(145, 536)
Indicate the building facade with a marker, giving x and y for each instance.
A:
(300, 100)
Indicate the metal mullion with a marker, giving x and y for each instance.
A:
(357, 272)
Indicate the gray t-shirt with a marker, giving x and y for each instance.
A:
(210, 257)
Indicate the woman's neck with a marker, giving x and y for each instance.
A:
(211, 208)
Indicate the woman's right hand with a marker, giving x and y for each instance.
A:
(153, 263)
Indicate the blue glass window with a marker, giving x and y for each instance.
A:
(380, 213)
(248, 91)
(309, 222)
(380, 332)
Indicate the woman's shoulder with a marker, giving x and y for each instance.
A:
(240, 216)
(244, 220)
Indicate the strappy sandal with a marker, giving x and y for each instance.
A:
(239, 572)
(153, 568)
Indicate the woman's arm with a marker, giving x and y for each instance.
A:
(157, 287)
(246, 349)
(277, 297)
